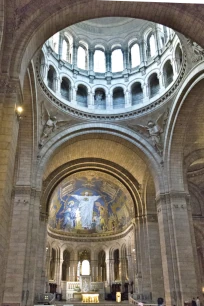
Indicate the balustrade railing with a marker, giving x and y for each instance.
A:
(132, 301)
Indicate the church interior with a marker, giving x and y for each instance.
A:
(102, 152)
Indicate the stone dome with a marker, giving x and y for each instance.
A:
(111, 66)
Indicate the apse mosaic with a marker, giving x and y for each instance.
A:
(90, 203)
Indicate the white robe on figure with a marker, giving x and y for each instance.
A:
(86, 204)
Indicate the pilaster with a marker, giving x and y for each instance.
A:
(9, 125)
(176, 248)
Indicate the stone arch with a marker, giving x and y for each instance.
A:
(176, 128)
(138, 144)
(154, 86)
(168, 73)
(131, 10)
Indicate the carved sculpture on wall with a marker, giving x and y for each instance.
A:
(197, 50)
(154, 130)
(50, 123)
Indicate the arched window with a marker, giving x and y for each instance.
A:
(99, 61)
(100, 99)
(178, 57)
(168, 73)
(65, 89)
(117, 60)
(151, 45)
(81, 58)
(51, 78)
(137, 93)
(65, 51)
(85, 267)
(82, 96)
(135, 55)
(118, 98)
(55, 42)
(153, 85)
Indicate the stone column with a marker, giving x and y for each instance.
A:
(122, 271)
(109, 101)
(43, 256)
(108, 61)
(154, 251)
(111, 269)
(57, 84)
(144, 260)
(9, 126)
(91, 59)
(61, 36)
(127, 98)
(75, 49)
(158, 39)
(125, 58)
(161, 82)
(173, 64)
(130, 267)
(90, 100)
(176, 248)
(143, 54)
(74, 93)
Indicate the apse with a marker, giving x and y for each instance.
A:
(90, 202)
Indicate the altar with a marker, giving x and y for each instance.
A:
(90, 297)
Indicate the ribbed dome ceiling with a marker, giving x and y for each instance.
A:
(109, 27)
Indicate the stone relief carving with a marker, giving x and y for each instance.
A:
(154, 130)
(50, 123)
(198, 51)
(8, 86)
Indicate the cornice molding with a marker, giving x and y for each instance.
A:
(111, 117)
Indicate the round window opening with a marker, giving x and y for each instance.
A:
(110, 65)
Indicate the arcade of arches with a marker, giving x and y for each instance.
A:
(101, 150)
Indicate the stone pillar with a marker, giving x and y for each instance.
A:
(173, 64)
(9, 126)
(109, 101)
(43, 256)
(123, 270)
(125, 58)
(74, 93)
(143, 53)
(154, 251)
(165, 34)
(158, 39)
(176, 248)
(75, 49)
(144, 260)
(136, 256)
(161, 82)
(90, 100)
(130, 267)
(56, 88)
(108, 61)
(91, 59)
(59, 276)
(112, 276)
(108, 271)
(127, 98)
(61, 36)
